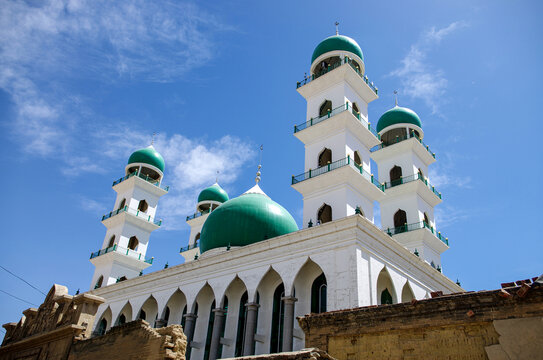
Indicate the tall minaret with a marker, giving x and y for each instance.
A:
(337, 135)
(407, 211)
(129, 225)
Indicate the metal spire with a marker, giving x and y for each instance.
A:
(396, 97)
(257, 179)
(337, 29)
(153, 138)
(217, 177)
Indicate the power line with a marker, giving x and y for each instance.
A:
(18, 298)
(20, 278)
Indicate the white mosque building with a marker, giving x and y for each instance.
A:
(249, 271)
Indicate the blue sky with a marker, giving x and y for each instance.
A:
(85, 83)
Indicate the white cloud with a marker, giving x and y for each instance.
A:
(419, 79)
(441, 179)
(447, 215)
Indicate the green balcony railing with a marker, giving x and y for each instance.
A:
(416, 226)
(346, 60)
(400, 139)
(408, 179)
(144, 177)
(336, 165)
(331, 113)
(128, 252)
(190, 247)
(198, 214)
(136, 213)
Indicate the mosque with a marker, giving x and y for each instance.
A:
(249, 271)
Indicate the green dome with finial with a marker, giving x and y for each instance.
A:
(247, 219)
(398, 115)
(148, 156)
(213, 193)
(337, 42)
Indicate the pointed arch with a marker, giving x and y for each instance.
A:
(325, 108)
(395, 175)
(325, 157)
(104, 324)
(407, 292)
(400, 220)
(356, 110)
(125, 315)
(266, 321)
(357, 158)
(133, 243)
(324, 214)
(99, 282)
(175, 305)
(149, 311)
(386, 294)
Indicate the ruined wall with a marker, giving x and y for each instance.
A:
(500, 324)
(304, 354)
(133, 340)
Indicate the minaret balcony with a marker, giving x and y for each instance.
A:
(124, 251)
(198, 214)
(340, 171)
(417, 226)
(424, 188)
(143, 177)
(134, 214)
(342, 117)
(401, 144)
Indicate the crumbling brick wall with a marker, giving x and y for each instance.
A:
(499, 324)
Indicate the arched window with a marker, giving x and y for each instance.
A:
(325, 108)
(143, 315)
(393, 136)
(133, 243)
(278, 313)
(356, 111)
(407, 294)
(209, 331)
(426, 220)
(102, 326)
(421, 175)
(122, 278)
(400, 220)
(386, 298)
(122, 203)
(318, 294)
(395, 176)
(324, 214)
(143, 206)
(357, 158)
(99, 282)
(122, 319)
(241, 324)
(111, 241)
(325, 157)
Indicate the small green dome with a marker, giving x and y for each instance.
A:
(337, 42)
(149, 156)
(398, 115)
(213, 193)
(245, 220)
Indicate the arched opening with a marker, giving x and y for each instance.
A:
(421, 174)
(125, 315)
(209, 331)
(142, 315)
(318, 294)
(325, 108)
(122, 203)
(407, 293)
(426, 220)
(240, 333)
(325, 157)
(122, 278)
(385, 288)
(323, 66)
(324, 214)
(393, 136)
(122, 319)
(133, 243)
(172, 313)
(99, 282)
(102, 326)
(149, 311)
(149, 174)
(400, 220)
(395, 176)
(278, 314)
(356, 111)
(111, 241)
(357, 158)
(143, 206)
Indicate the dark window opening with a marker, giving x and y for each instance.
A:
(356, 111)
(167, 315)
(318, 295)
(102, 327)
(325, 108)
(325, 157)
(99, 282)
(122, 204)
(393, 136)
(426, 220)
(122, 319)
(183, 318)
(209, 331)
(143, 315)
(149, 175)
(400, 220)
(357, 158)
(386, 298)
(395, 176)
(111, 241)
(241, 324)
(278, 314)
(324, 214)
(143, 206)
(323, 66)
(133, 243)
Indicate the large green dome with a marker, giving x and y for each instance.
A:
(213, 193)
(337, 42)
(149, 156)
(245, 220)
(398, 115)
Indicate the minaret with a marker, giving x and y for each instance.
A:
(407, 211)
(208, 200)
(129, 225)
(337, 135)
